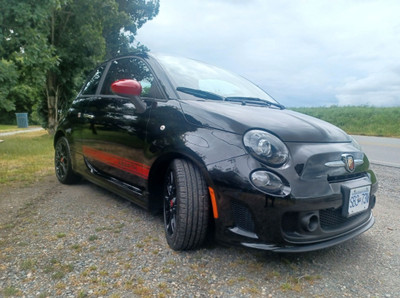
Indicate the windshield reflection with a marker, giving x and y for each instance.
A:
(187, 73)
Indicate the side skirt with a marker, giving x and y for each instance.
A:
(125, 190)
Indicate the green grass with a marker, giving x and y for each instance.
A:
(369, 121)
(25, 158)
(4, 128)
(11, 292)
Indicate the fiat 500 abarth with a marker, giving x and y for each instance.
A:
(217, 154)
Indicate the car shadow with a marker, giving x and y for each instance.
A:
(354, 250)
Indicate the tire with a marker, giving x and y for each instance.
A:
(186, 206)
(63, 164)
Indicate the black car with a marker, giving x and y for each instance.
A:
(217, 155)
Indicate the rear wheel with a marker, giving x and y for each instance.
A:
(186, 206)
(62, 162)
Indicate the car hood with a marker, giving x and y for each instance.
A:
(288, 125)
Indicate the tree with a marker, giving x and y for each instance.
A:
(53, 43)
(25, 54)
(8, 78)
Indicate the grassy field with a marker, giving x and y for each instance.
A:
(369, 121)
(25, 158)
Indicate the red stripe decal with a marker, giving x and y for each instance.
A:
(124, 164)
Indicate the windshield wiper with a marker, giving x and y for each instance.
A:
(200, 93)
(254, 100)
(242, 99)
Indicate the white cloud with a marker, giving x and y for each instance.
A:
(378, 89)
(302, 52)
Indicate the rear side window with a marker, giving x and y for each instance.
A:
(130, 68)
(91, 86)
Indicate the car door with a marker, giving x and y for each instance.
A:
(115, 135)
(77, 119)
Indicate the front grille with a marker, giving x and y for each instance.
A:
(342, 178)
(333, 219)
(242, 217)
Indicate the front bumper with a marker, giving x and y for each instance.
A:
(253, 219)
(315, 246)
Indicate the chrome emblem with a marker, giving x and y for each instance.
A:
(349, 164)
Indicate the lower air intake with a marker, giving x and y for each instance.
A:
(333, 219)
(242, 217)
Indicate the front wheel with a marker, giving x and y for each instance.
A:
(62, 162)
(186, 206)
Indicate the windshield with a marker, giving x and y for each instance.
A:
(188, 74)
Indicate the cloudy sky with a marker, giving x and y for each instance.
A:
(302, 52)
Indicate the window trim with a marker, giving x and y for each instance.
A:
(156, 80)
(80, 94)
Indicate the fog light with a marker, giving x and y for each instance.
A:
(269, 183)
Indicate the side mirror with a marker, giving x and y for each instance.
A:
(131, 89)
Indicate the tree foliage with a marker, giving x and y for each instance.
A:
(48, 46)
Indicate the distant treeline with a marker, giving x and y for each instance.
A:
(369, 121)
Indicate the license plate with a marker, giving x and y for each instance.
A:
(359, 199)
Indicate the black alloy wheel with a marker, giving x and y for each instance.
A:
(186, 206)
(62, 162)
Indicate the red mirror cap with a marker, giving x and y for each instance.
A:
(126, 87)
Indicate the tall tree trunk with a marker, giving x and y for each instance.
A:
(51, 89)
(52, 102)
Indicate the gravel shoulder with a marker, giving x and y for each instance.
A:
(82, 241)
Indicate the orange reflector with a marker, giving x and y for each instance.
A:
(213, 202)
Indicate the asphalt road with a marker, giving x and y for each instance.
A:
(382, 151)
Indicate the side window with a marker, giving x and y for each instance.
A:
(91, 86)
(131, 68)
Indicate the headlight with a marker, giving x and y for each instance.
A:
(269, 183)
(266, 147)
